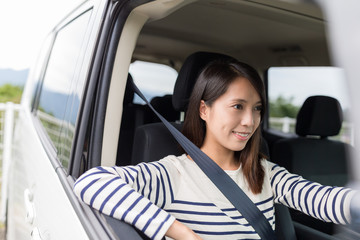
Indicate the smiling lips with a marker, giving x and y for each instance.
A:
(241, 135)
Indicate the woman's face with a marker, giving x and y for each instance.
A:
(232, 118)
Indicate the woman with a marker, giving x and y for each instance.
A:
(173, 197)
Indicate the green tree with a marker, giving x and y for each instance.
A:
(283, 107)
(10, 93)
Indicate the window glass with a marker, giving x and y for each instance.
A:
(288, 88)
(152, 79)
(58, 93)
(39, 66)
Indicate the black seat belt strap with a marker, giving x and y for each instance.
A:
(221, 180)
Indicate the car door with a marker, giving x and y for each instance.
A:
(39, 204)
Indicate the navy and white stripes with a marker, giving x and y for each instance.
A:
(330, 204)
(151, 195)
(123, 193)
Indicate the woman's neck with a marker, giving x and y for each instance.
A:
(224, 158)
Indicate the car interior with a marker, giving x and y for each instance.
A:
(186, 36)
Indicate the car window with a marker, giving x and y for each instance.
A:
(288, 88)
(38, 68)
(153, 79)
(58, 93)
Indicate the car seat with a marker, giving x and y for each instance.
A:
(312, 154)
(132, 117)
(164, 106)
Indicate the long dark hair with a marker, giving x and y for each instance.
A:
(213, 82)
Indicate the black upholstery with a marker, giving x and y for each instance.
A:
(311, 154)
(154, 136)
(188, 74)
(164, 106)
(319, 116)
(133, 116)
(284, 230)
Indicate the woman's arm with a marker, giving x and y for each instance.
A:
(330, 204)
(124, 193)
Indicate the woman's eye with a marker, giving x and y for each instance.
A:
(258, 108)
(238, 106)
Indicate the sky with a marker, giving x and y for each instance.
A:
(24, 25)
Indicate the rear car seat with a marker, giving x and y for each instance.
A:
(162, 104)
(135, 115)
(312, 154)
(132, 117)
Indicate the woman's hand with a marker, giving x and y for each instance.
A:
(179, 231)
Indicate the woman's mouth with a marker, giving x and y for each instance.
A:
(241, 135)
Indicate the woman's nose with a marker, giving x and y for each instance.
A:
(248, 118)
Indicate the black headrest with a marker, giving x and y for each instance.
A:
(188, 74)
(319, 116)
(164, 106)
(129, 92)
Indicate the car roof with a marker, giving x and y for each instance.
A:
(262, 33)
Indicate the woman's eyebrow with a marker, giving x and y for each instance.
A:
(245, 101)
(239, 100)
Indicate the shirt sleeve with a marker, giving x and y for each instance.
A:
(330, 204)
(134, 194)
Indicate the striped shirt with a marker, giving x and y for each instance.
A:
(151, 195)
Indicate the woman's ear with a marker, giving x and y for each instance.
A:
(203, 110)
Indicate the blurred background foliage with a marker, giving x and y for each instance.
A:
(283, 107)
(10, 93)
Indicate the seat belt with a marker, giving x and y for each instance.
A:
(220, 178)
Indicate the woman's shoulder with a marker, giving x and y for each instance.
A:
(172, 159)
(273, 169)
(268, 165)
(172, 162)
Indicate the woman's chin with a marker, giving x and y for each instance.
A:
(238, 147)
